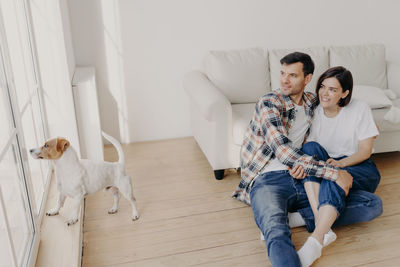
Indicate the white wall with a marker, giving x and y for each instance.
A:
(66, 25)
(96, 43)
(162, 40)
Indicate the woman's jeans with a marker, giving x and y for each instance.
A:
(365, 177)
(274, 194)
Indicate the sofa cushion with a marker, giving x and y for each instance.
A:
(375, 97)
(385, 125)
(242, 75)
(367, 63)
(391, 94)
(241, 116)
(319, 55)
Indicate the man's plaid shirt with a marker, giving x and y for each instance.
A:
(267, 137)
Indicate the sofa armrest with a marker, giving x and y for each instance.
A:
(204, 95)
(393, 73)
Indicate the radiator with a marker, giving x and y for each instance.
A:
(87, 113)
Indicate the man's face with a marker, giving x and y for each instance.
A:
(292, 79)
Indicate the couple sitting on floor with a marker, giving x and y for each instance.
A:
(308, 154)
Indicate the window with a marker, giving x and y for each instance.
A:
(23, 180)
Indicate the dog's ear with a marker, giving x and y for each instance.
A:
(62, 144)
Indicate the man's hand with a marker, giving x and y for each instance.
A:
(345, 181)
(297, 172)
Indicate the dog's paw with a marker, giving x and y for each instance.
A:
(135, 217)
(52, 213)
(72, 221)
(112, 211)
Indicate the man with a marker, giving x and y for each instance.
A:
(271, 146)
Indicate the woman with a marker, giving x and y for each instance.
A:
(341, 134)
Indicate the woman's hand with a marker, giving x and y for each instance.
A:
(345, 181)
(336, 163)
(297, 172)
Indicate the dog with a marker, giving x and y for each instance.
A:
(78, 178)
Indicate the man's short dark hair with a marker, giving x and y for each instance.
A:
(345, 79)
(308, 64)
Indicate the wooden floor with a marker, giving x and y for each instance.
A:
(188, 218)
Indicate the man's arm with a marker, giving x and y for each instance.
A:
(276, 137)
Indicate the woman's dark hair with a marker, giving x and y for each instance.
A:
(345, 79)
(308, 64)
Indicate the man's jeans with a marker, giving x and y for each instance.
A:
(274, 194)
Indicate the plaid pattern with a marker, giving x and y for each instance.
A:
(267, 137)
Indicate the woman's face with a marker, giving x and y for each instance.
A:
(330, 93)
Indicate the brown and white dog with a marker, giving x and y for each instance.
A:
(77, 178)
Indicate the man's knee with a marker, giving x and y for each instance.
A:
(269, 210)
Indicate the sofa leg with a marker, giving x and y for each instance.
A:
(219, 174)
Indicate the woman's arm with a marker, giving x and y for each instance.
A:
(363, 153)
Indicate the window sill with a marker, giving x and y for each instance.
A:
(60, 245)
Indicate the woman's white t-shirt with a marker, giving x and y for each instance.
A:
(340, 135)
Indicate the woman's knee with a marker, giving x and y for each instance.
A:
(309, 147)
(313, 149)
(365, 176)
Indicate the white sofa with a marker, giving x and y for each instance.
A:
(223, 95)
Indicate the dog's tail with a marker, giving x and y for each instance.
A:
(117, 145)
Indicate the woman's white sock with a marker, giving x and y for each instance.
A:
(310, 251)
(329, 237)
